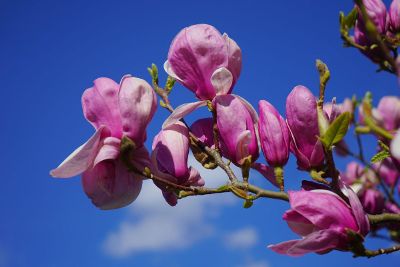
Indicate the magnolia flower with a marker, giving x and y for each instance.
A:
(389, 112)
(394, 16)
(388, 171)
(236, 128)
(274, 135)
(376, 11)
(301, 114)
(170, 156)
(322, 218)
(372, 201)
(354, 171)
(203, 130)
(114, 111)
(204, 61)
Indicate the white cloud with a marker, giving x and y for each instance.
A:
(152, 225)
(242, 239)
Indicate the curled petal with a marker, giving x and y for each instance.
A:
(109, 150)
(82, 158)
(170, 72)
(182, 111)
(358, 211)
(222, 80)
(319, 242)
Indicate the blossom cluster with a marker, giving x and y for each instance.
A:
(326, 214)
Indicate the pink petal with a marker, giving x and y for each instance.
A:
(110, 186)
(266, 171)
(182, 111)
(323, 208)
(234, 58)
(173, 148)
(170, 72)
(138, 103)
(82, 158)
(109, 150)
(194, 178)
(222, 80)
(100, 105)
(242, 146)
(358, 211)
(319, 241)
(298, 223)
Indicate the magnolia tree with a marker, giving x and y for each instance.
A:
(334, 210)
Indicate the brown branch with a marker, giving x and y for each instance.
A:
(383, 218)
(373, 253)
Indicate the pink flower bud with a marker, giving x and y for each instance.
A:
(322, 218)
(138, 103)
(376, 11)
(172, 147)
(274, 135)
(236, 128)
(204, 61)
(301, 114)
(354, 171)
(389, 112)
(170, 156)
(387, 171)
(394, 16)
(372, 201)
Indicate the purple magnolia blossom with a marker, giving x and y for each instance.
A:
(322, 218)
(301, 114)
(389, 112)
(372, 201)
(274, 135)
(114, 111)
(204, 61)
(388, 171)
(354, 171)
(376, 11)
(236, 128)
(170, 156)
(394, 16)
(203, 130)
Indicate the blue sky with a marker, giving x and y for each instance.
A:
(50, 51)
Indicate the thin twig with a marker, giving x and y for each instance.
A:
(373, 253)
